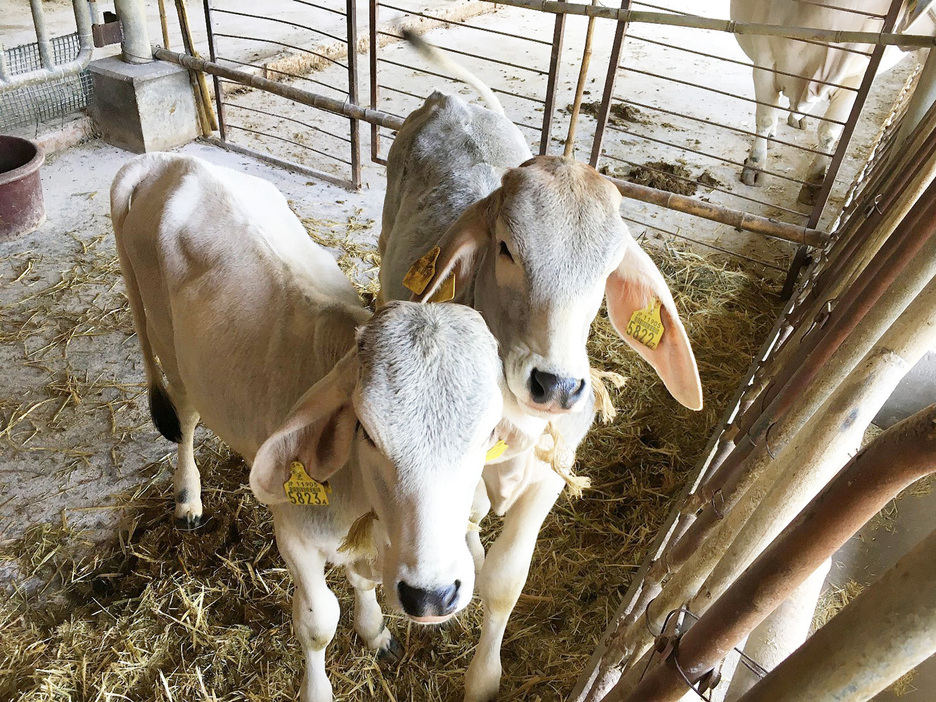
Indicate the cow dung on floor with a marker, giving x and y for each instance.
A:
(204, 615)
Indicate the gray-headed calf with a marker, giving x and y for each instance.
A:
(533, 244)
(259, 334)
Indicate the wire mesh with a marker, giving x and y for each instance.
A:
(45, 101)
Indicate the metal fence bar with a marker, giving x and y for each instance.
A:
(304, 97)
(746, 132)
(280, 43)
(465, 24)
(728, 26)
(319, 7)
(445, 77)
(604, 109)
(213, 56)
(289, 141)
(288, 119)
(555, 58)
(703, 153)
(373, 16)
(355, 125)
(741, 63)
(717, 92)
(717, 213)
(280, 21)
(476, 56)
(685, 179)
(53, 72)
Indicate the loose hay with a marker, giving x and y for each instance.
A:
(205, 615)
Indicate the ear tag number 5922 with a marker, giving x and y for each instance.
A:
(646, 326)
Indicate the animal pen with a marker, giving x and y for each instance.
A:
(691, 569)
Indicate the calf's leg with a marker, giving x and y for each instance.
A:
(186, 481)
(840, 105)
(502, 579)
(480, 506)
(315, 608)
(369, 620)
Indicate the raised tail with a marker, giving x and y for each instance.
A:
(458, 71)
(128, 179)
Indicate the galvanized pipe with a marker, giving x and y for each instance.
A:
(304, 97)
(46, 57)
(729, 26)
(725, 215)
(900, 456)
(48, 74)
(135, 43)
(888, 630)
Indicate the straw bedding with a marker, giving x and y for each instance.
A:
(160, 614)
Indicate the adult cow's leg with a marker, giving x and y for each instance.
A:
(315, 608)
(840, 106)
(186, 481)
(768, 101)
(369, 620)
(502, 579)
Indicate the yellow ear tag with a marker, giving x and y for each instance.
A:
(496, 450)
(645, 325)
(303, 490)
(446, 291)
(421, 272)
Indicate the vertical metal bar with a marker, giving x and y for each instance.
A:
(604, 109)
(212, 54)
(46, 56)
(374, 83)
(351, 9)
(555, 59)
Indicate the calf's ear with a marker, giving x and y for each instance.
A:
(317, 433)
(637, 294)
(457, 253)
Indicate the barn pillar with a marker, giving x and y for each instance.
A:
(140, 104)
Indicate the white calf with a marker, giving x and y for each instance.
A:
(259, 334)
(533, 244)
(803, 71)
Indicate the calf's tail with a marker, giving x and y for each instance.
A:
(162, 410)
(458, 71)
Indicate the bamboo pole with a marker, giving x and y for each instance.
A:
(164, 24)
(886, 631)
(569, 150)
(699, 549)
(825, 443)
(202, 96)
(897, 458)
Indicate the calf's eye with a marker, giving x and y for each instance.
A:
(504, 251)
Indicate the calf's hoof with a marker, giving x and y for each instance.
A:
(390, 653)
(189, 522)
(750, 176)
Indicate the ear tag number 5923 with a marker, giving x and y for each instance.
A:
(303, 490)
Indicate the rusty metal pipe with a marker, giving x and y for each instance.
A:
(888, 630)
(900, 456)
(304, 97)
(725, 215)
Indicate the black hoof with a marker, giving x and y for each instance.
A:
(189, 523)
(391, 654)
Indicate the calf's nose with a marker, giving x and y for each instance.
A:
(547, 388)
(428, 605)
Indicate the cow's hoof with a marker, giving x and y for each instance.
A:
(797, 123)
(750, 176)
(391, 653)
(190, 522)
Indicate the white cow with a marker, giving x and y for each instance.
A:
(534, 244)
(259, 334)
(803, 70)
